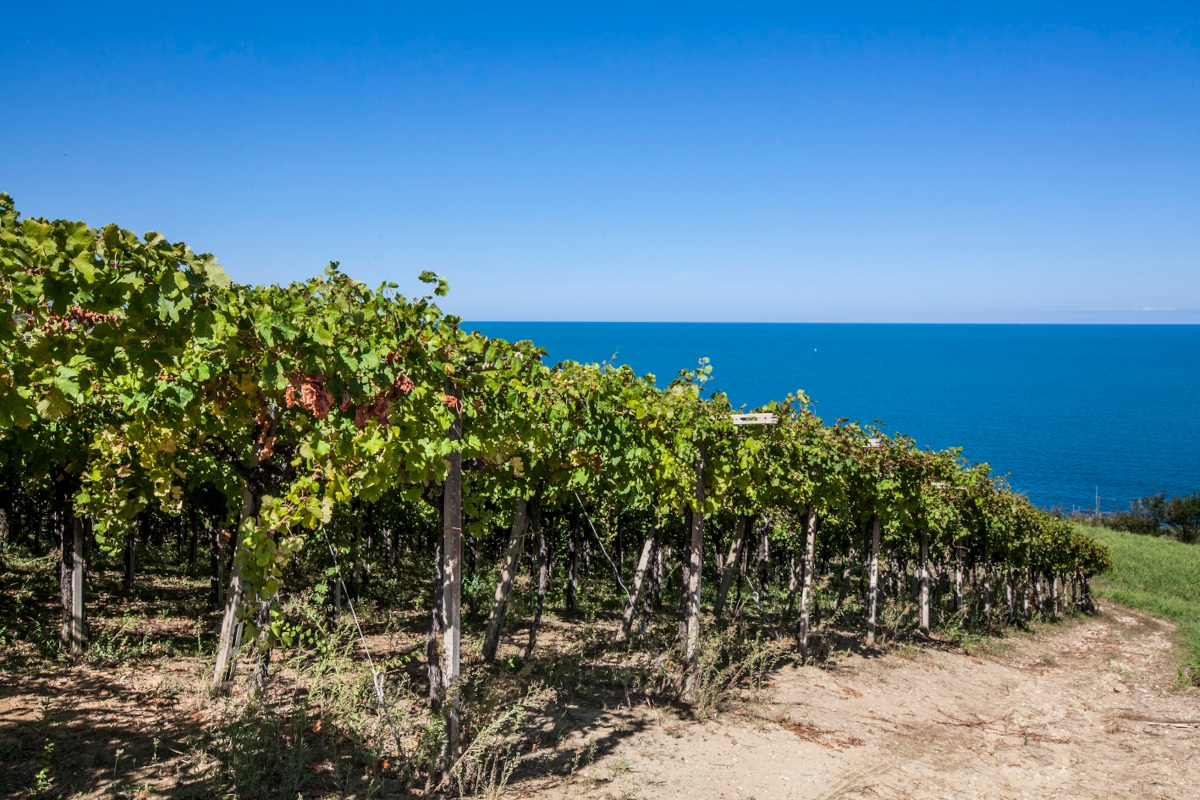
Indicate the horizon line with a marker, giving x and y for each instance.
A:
(828, 322)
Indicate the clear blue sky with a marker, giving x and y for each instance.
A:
(694, 161)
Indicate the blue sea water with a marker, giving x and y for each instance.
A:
(1066, 410)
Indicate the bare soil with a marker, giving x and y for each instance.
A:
(1088, 709)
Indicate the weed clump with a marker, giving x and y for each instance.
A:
(728, 663)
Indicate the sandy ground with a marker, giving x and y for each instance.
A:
(1089, 709)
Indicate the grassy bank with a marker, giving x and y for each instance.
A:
(1159, 576)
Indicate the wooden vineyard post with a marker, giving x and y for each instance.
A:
(262, 619)
(696, 559)
(923, 572)
(731, 565)
(1055, 591)
(763, 556)
(130, 559)
(508, 571)
(1011, 594)
(844, 585)
(78, 575)
(958, 578)
(191, 547)
(72, 578)
(987, 580)
(649, 550)
(452, 577)
(437, 629)
(685, 583)
(1036, 589)
(1024, 590)
(231, 622)
(214, 564)
(543, 555)
(60, 524)
(873, 582)
(5, 516)
(806, 591)
(795, 568)
(571, 600)
(653, 592)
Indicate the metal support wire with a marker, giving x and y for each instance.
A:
(617, 572)
(754, 593)
(376, 675)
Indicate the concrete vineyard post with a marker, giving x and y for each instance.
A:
(873, 581)
(923, 574)
(806, 590)
(452, 577)
(696, 560)
(437, 628)
(958, 578)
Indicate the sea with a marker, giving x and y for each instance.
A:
(1077, 416)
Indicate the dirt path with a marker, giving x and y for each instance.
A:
(1088, 709)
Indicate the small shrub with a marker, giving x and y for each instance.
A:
(265, 752)
(726, 663)
(488, 762)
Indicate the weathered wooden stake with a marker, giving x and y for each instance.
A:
(795, 577)
(130, 561)
(508, 571)
(231, 621)
(685, 567)
(731, 565)
(649, 550)
(74, 633)
(262, 667)
(191, 547)
(1055, 592)
(543, 554)
(958, 578)
(572, 597)
(216, 565)
(763, 555)
(1011, 593)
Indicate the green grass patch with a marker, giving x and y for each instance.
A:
(1156, 575)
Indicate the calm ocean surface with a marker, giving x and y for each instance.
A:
(1062, 408)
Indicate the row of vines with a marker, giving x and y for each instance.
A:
(144, 397)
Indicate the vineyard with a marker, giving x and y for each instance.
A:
(324, 460)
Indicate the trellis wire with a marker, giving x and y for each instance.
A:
(641, 617)
(376, 676)
(616, 571)
(762, 611)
